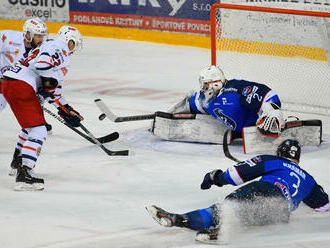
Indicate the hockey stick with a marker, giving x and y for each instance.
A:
(226, 149)
(107, 151)
(105, 139)
(106, 112)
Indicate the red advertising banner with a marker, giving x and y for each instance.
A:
(141, 22)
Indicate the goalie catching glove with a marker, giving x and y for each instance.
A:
(271, 121)
(71, 116)
(182, 106)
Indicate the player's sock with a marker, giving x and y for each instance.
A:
(202, 219)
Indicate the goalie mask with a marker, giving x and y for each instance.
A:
(289, 149)
(67, 33)
(34, 26)
(211, 80)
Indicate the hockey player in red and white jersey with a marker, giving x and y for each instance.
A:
(41, 73)
(14, 45)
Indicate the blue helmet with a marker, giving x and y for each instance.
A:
(289, 149)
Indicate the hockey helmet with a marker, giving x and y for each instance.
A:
(289, 149)
(34, 26)
(211, 79)
(67, 33)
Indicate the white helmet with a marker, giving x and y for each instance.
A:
(34, 26)
(67, 33)
(211, 79)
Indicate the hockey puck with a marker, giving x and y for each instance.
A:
(101, 117)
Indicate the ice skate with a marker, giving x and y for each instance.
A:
(15, 163)
(27, 181)
(209, 236)
(167, 219)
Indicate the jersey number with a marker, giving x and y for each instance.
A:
(296, 186)
(56, 58)
(28, 59)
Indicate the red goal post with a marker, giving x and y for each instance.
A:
(291, 42)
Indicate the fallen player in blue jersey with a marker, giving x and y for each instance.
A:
(282, 187)
(236, 103)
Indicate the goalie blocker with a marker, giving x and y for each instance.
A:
(205, 129)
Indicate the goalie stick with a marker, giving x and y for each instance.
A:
(106, 112)
(226, 149)
(105, 139)
(107, 151)
(109, 114)
(288, 125)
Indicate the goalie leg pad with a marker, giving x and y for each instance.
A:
(307, 132)
(197, 128)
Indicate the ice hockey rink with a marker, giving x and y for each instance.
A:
(92, 200)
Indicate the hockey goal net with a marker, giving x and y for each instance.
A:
(289, 50)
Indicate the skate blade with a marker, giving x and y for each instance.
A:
(20, 186)
(161, 221)
(206, 240)
(12, 172)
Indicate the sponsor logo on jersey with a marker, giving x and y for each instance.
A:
(250, 162)
(227, 121)
(224, 102)
(64, 70)
(9, 57)
(14, 43)
(284, 190)
(256, 159)
(16, 51)
(229, 89)
(38, 151)
(246, 91)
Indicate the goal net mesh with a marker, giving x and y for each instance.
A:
(289, 52)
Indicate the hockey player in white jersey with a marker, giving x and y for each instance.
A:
(14, 45)
(41, 73)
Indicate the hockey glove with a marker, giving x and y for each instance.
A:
(71, 117)
(271, 121)
(45, 93)
(212, 178)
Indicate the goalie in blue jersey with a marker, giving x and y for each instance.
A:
(236, 103)
(281, 189)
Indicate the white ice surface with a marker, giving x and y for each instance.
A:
(93, 200)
